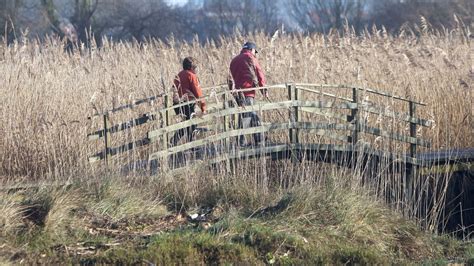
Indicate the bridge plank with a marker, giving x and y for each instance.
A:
(261, 106)
(315, 128)
(120, 149)
(403, 138)
(324, 93)
(324, 148)
(324, 112)
(396, 115)
(122, 126)
(127, 106)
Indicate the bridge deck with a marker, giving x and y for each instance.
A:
(341, 154)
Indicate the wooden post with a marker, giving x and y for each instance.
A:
(412, 107)
(224, 129)
(226, 118)
(297, 114)
(293, 113)
(290, 112)
(411, 173)
(106, 140)
(354, 118)
(166, 121)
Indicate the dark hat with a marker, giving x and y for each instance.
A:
(250, 46)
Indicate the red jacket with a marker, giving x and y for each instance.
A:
(246, 72)
(187, 85)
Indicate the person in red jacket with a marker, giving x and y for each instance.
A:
(247, 73)
(187, 88)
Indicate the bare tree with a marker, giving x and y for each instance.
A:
(76, 27)
(394, 13)
(8, 18)
(223, 17)
(139, 19)
(322, 15)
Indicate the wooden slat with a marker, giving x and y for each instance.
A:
(324, 93)
(120, 149)
(447, 168)
(360, 148)
(315, 128)
(218, 95)
(396, 115)
(127, 106)
(324, 112)
(324, 86)
(248, 153)
(373, 91)
(120, 127)
(370, 90)
(261, 106)
(403, 138)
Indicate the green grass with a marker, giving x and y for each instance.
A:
(117, 223)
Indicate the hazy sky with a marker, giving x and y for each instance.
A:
(176, 2)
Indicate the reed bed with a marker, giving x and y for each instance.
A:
(48, 95)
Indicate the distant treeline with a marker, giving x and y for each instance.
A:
(80, 20)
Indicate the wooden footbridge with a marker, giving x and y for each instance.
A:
(357, 128)
(331, 123)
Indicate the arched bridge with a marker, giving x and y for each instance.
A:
(331, 123)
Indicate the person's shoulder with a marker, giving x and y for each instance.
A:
(182, 73)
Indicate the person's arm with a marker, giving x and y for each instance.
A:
(230, 82)
(259, 73)
(175, 89)
(260, 76)
(197, 91)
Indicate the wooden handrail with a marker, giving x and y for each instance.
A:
(127, 106)
(282, 86)
(295, 105)
(262, 106)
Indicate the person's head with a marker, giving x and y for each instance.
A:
(190, 63)
(251, 47)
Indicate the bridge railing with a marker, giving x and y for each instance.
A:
(285, 119)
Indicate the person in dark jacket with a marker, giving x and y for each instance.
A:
(247, 73)
(187, 88)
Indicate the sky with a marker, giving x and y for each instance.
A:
(177, 2)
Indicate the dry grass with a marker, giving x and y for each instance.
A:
(78, 224)
(47, 95)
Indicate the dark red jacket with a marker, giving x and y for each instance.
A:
(246, 72)
(187, 85)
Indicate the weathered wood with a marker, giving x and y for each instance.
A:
(296, 111)
(325, 112)
(127, 106)
(166, 121)
(373, 91)
(390, 96)
(291, 116)
(303, 148)
(447, 168)
(249, 153)
(217, 95)
(396, 115)
(120, 149)
(120, 127)
(383, 133)
(219, 114)
(324, 93)
(318, 128)
(412, 108)
(253, 108)
(354, 118)
(106, 140)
